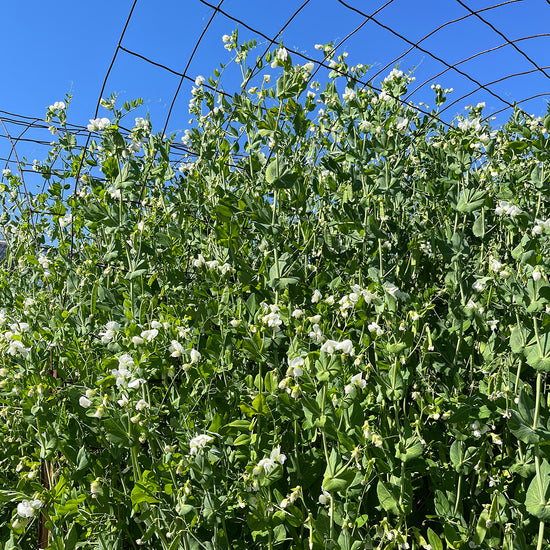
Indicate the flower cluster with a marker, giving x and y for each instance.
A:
(541, 226)
(356, 382)
(110, 331)
(267, 464)
(57, 106)
(506, 209)
(28, 508)
(98, 124)
(223, 269)
(124, 376)
(271, 317)
(199, 442)
(332, 346)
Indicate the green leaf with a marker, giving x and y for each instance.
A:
(471, 200)
(278, 175)
(538, 355)
(237, 426)
(115, 433)
(518, 339)
(70, 506)
(409, 449)
(388, 496)
(462, 457)
(144, 490)
(537, 499)
(478, 228)
(339, 482)
(434, 540)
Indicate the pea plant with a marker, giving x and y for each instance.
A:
(325, 325)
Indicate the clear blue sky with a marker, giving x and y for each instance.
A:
(49, 50)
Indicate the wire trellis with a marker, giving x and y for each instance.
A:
(458, 66)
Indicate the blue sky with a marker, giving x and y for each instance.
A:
(49, 51)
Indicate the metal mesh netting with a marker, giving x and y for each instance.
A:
(485, 51)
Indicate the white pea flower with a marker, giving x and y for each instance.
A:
(142, 123)
(495, 264)
(297, 313)
(478, 286)
(394, 74)
(324, 497)
(123, 401)
(345, 303)
(142, 405)
(226, 38)
(537, 230)
(536, 275)
(156, 324)
(357, 381)
(84, 402)
(122, 376)
(125, 361)
(20, 327)
(28, 508)
(277, 456)
(272, 320)
(186, 138)
(505, 208)
(295, 367)
(149, 335)
(175, 349)
(137, 340)
(98, 124)
(346, 347)
(330, 346)
(195, 356)
(392, 290)
(6, 172)
(316, 334)
(200, 80)
(282, 54)
(109, 333)
(225, 268)
(44, 261)
(315, 319)
(199, 442)
(349, 94)
(375, 327)
(16, 347)
(365, 126)
(401, 124)
(266, 463)
(199, 261)
(316, 296)
(58, 105)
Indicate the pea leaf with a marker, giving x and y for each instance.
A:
(537, 499)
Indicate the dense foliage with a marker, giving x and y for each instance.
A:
(326, 327)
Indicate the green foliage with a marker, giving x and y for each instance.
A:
(326, 326)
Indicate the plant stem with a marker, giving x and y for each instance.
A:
(458, 491)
